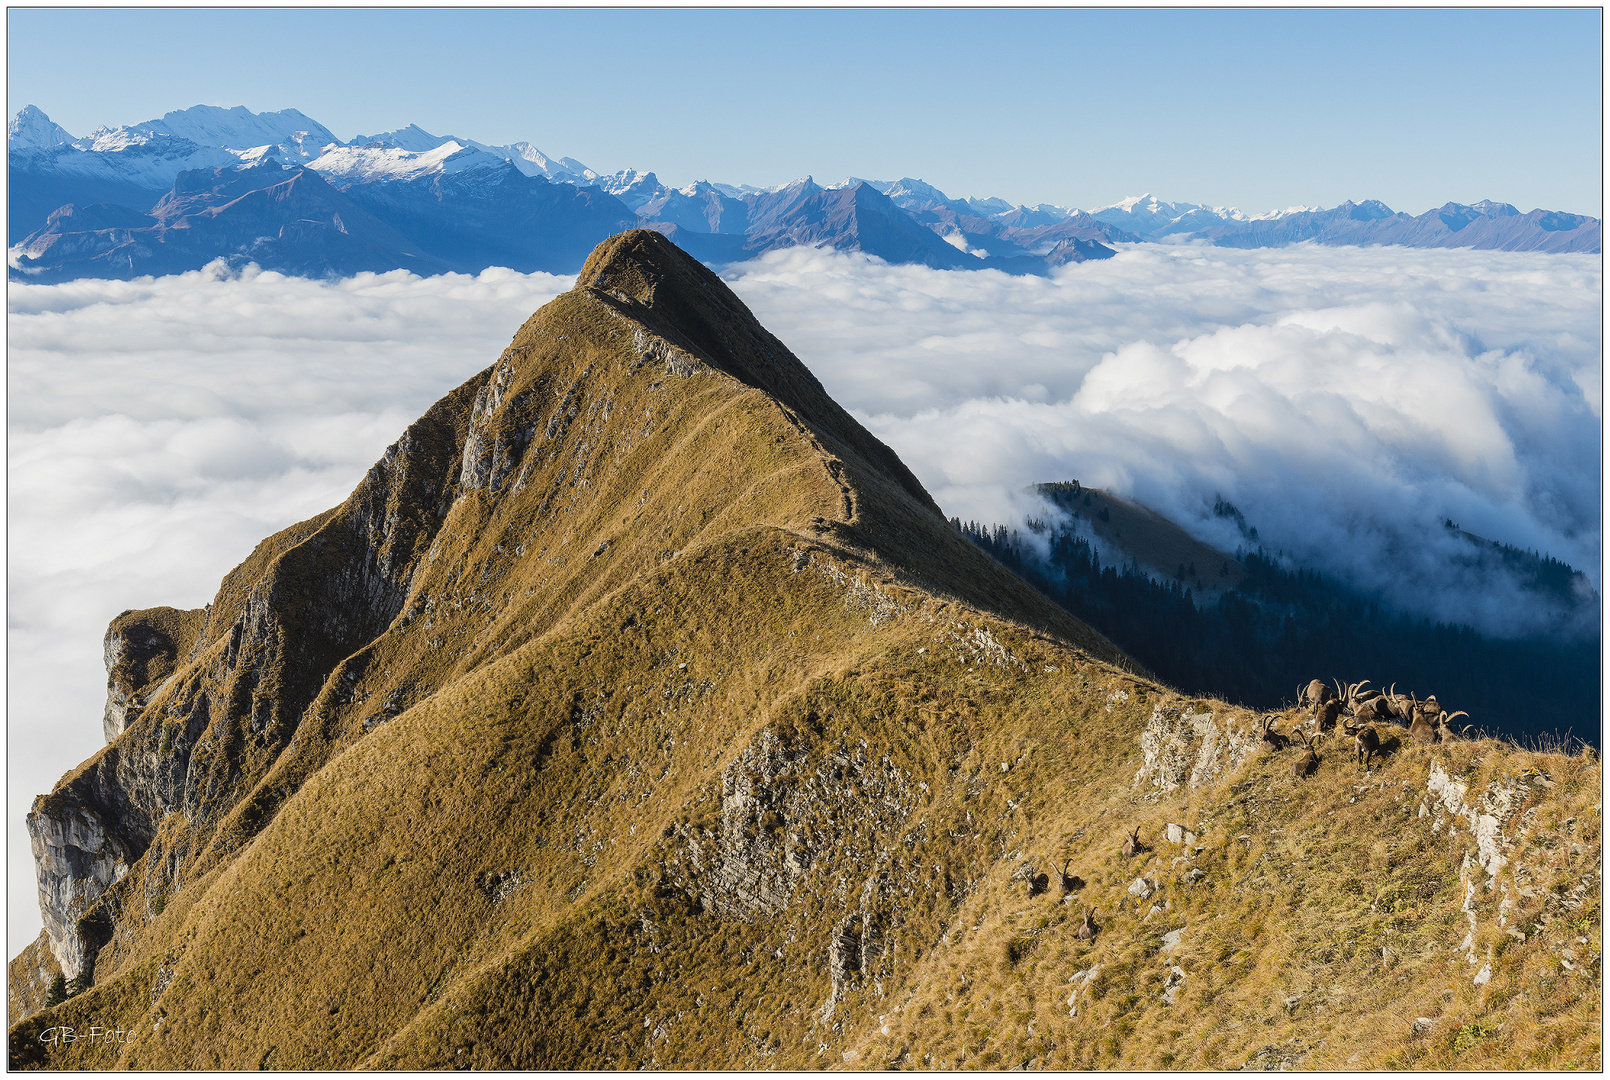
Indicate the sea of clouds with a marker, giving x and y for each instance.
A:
(1346, 400)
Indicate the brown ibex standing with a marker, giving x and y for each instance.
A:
(1327, 714)
(1308, 764)
(1367, 742)
(1132, 843)
(1315, 693)
(1088, 929)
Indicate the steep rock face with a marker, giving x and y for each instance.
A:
(77, 858)
(142, 650)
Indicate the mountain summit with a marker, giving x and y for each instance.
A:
(639, 708)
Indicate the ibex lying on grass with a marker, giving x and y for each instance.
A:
(1402, 706)
(1088, 929)
(1038, 884)
(1355, 694)
(1272, 739)
(1069, 883)
(1421, 729)
(1431, 722)
(1306, 765)
(1445, 729)
(1132, 844)
(1376, 708)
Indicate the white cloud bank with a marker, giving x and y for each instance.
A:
(1346, 400)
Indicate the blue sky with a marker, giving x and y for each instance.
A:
(1258, 109)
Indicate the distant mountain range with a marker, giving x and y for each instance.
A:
(281, 190)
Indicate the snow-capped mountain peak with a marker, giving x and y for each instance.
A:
(533, 162)
(412, 138)
(239, 128)
(373, 161)
(917, 190)
(31, 129)
(1273, 214)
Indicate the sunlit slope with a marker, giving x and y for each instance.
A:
(674, 727)
(596, 450)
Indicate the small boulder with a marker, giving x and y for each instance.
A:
(1171, 985)
(1171, 939)
(1140, 888)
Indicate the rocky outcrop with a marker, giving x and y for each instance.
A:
(780, 814)
(142, 650)
(28, 979)
(77, 858)
(1196, 748)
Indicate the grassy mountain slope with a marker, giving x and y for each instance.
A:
(1148, 538)
(641, 709)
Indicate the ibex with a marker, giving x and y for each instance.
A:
(1273, 739)
(1355, 693)
(1327, 714)
(1038, 884)
(1430, 722)
(1069, 884)
(1367, 742)
(1315, 693)
(1445, 729)
(1308, 764)
(1088, 929)
(1132, 843)
(1401, 705)
(1376, 708)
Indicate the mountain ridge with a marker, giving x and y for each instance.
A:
(651, 715)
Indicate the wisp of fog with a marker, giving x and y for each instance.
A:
(1348, 401)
